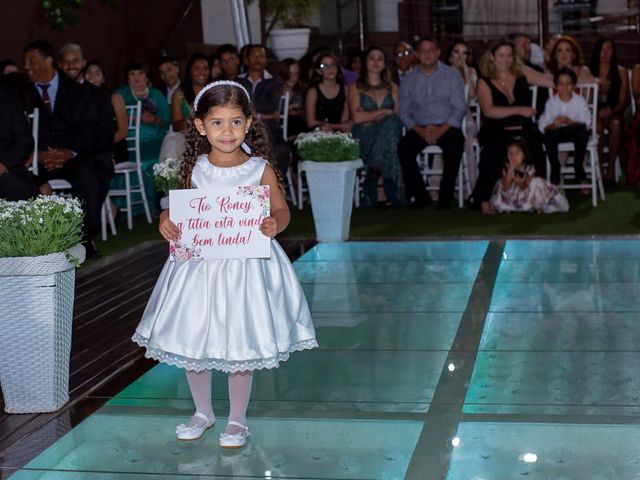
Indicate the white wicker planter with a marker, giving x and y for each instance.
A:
(331, 186)
(36, 294)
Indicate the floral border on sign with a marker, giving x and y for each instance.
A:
(183, 254)
(261, 193)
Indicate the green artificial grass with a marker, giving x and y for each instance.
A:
(619, 214)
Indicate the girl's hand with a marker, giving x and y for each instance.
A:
(269, 227)
(168, 229)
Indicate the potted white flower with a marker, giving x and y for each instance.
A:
(167, 178)
(39, 250)
(330, 161)
(291, 37)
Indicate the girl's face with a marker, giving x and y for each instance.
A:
(503, 58)
(200, 72)
(564, 54)
(94, 76)
(294, 73)
(459, 54)
(225, 128)
(606, 52)
(356, 64)
(328, 68)
(375, 61)
(515, 155)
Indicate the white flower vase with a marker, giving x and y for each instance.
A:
(164, 203)
(331, 187)
(289, 42)
(37, 296)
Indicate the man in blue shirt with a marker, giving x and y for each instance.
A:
(432, 106)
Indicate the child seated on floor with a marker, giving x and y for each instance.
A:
(565, 119)
(520, 190)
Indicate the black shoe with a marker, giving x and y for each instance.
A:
(91, 250)
(417, 204)
(443, 205)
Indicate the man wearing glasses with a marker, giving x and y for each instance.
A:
(405, 60)
(432, 105)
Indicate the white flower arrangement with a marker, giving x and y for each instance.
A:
(167, 175)
(322, 146)
(44, 225)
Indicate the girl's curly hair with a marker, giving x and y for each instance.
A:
(224, 95)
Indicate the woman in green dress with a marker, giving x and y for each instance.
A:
(154, 123)
(373, 103)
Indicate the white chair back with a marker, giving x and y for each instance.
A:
(284, 114)
(34, 117)
(590, 93)
(534, 95)
(134, 113)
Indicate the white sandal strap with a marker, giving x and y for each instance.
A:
(237, 424)
(202, 416)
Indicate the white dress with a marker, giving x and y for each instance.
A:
(230, 315)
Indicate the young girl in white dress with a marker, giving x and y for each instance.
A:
(236, 315)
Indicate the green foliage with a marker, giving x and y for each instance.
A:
(320, 146)
(59, 13)
(290, 13)
(39, 227)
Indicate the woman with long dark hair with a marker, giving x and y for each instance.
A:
(326, 102)
(196, 77)
(373, 103)
(613, 89)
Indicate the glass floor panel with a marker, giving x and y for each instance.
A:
(505, 451)
(279, 448)
(514, 347)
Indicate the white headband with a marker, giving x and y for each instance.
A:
(217, 84)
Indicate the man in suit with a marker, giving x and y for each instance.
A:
(16, 144)
(68, 126)
(266, 91)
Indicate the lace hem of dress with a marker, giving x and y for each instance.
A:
(219, 364)
(206, 166)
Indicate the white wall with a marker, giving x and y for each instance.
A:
(217, 22)
(385, 13)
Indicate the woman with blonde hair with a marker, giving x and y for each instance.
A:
(505, 101)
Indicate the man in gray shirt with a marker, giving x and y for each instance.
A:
(432, 106)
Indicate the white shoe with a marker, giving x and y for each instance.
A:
(235, 440)
(184, 432)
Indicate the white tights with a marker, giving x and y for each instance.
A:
(239, 394)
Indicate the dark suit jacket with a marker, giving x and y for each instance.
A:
(73, 122)
(16, 141)
(105, 125)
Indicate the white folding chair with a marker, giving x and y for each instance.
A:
(429, 170)
(128, 168)
(592, 168)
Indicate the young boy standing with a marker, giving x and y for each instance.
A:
(565, 119)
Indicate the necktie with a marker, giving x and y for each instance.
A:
(45, 96)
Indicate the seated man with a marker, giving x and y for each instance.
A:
(266, 91)
(169, 73)
(66, 135)
(405, 61)
(432, 106)
(16, 145)
(227, 55)
(72, 62)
